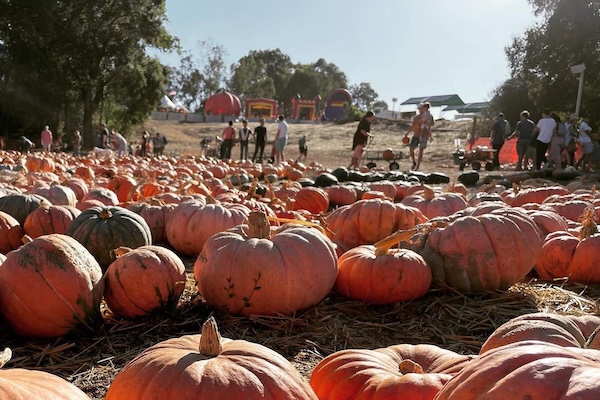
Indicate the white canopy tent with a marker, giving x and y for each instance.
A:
(165, 102)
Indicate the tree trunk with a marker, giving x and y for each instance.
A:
(88, 119)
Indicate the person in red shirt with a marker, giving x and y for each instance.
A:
(46, 139)
(227, 144)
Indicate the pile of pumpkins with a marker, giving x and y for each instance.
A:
(96, 229)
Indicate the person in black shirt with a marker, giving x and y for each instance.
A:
(524, 133)
(361, 138)
(102, 137)
(260, 138)
(497, 135)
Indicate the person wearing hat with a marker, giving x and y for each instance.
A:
(360, 139)
(497, 135)
(421, 129)
(244, 137)
(571, 137)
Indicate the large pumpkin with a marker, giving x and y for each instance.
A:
(11, 233)
(436, 205)
(482, 251)
(57, 194)
(50, 219)
(143, 280)
(397, 372)
(341, 195)
(103, 229)
(248, 271)
(536, 195)
(103, 195)
(528, 370)
(156, 214)
(17, 384)
(50, 286)
(193, 222)
(206, 366)
(377, 274)
(369, 221)
(311, 199)
(21, 205)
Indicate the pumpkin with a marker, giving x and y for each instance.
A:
(536, 195)
(481, 249)
(104, 229)
(103, 195)
(50, 287)
(21, 205)
(571, 210)
(341, 195)
(78, 186)
(248, 271)
(123, 186)
(369, 221)
(143, 280)
(18, 383)
(57, 194)
(11, 233)
(374, 194)
(388, 188)
(376, 274)
(311, 199)
(206, 366)
(436, 205)
(397, 372)
(587, 323)
(156, 215)
(50, 219)
(548, 221)
(528, 370)
(545, 327)
(192, 222)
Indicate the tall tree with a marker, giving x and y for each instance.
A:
(214, 70)
(329, 76)
(363, 96)
(188, 81)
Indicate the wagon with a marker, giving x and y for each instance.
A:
(475, 158)
(389, 155)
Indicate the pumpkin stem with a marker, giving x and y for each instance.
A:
(105, 214)
(410, 367)
(589, 224)
(121, 251)
(252, 190)
(428, 193)
(5, 357)
(516, 187)
(211, 200)
(210, 340)
(258, 225)
(383, 246)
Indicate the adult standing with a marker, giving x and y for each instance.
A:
(101, 140)
(158, 144)
(46, 139)
(586, 144)
(544, 130)
(120, 143)
(244, 136)
(360, 139)
(227, 144)
(77, 144)
(281, 139)
(421, 130)
(145, 139)
(557, 143)
(571, 138)
(524, 133)
(260, 138)
(497, 138)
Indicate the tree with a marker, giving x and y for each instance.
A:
(214, 70)
(329, 76)
(363, 96)
(188, 82)
(511, 98)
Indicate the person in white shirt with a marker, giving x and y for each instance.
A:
(586, 144)
(571, 138)
(120, 143)
(545, 129)
(280, 139)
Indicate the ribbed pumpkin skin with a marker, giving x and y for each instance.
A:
(193, 222)
(103, 195)
(295, 269)
(58, 195)
(375, 374)
(144, 280)
(442, 205)
(368, 221)
(537, 195)
(545, 327)
(528, 370)
(311, 199)
(11, 233)
(24, 384)
(50, 287)
(483, 252)
(175, 370)
(400, 275)
(101, 236)
(156, 216)
(50, 219)
(21, 205)
(548, 221)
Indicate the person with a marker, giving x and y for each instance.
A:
(244, 137)
(571, 138)
(144, 144)
(524, 133)
(557, 143)
(587, 146)
(46, 139)
(260, 138)
(101, 139)
(158, 144)
(227, 144)
(473, 135)
(497, 138)
(77, 144)
(25, 144)
(281, 139)
(204, 144)
(360, 139)
(544, 131)
(119, 143)
(303, 149)
(421, 129)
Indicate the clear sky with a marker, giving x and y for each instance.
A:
(403, 48)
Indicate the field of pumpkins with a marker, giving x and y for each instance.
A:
(193, 278)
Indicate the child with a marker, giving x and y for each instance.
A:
(26, 144)
(303, 148)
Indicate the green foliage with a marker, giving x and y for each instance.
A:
(511, 98)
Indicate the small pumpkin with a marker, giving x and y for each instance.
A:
(11, 233)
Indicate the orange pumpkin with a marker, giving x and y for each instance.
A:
(11, 233)
(123, 186)
(397, 372)
(103, 195)
(311, 199)
(50, 219)
(206, 366)
(143, 280)
(248, 271)
(156, 214)
(536, 195)
(341, 195)
(57, 194)
(434, 205)
(67, 283)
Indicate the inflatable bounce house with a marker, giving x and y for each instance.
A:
(337, 105)
(223, 103)
(305, 110)
(261, 108)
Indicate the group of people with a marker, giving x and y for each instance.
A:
(550, 141)
(106, 139)
(232, 136)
